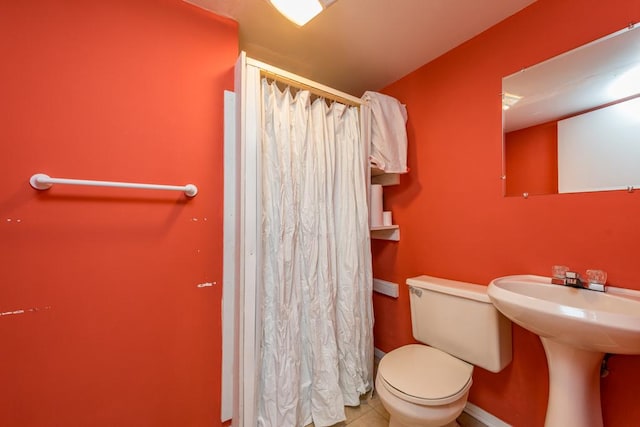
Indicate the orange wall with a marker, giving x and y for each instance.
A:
(531, 160)
(456, 224)
(115, 331)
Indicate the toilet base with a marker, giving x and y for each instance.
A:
(407, 414)
(392, 423)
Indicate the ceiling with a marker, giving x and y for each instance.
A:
(359, 45)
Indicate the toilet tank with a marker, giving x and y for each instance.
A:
(458, 318)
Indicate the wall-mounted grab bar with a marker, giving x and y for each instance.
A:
(41, 181)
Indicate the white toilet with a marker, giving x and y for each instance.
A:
(427, 386)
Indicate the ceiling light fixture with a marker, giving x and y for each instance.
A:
(509, 100)
(300, 11)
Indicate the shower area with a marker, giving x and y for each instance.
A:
(297, 303)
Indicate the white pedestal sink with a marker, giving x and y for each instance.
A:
(576, 327)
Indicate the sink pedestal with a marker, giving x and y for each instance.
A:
(576, 327)
(574, 385)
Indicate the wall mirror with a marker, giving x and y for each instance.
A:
(572, 123)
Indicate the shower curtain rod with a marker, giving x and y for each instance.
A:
(300, 82)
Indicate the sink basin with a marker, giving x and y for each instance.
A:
(607, 322)
(576, 327)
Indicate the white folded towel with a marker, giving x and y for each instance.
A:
(388, 132)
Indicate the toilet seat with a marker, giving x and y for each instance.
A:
(425, 375)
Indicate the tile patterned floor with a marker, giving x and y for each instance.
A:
(371, 413)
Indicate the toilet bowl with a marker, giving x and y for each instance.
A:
(421, 386)
(428, 385)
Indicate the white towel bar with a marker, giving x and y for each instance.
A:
(41, 181)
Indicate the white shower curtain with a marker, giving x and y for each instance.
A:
(316, 343)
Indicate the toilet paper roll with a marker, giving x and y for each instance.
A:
(386, 218)
(375, 211)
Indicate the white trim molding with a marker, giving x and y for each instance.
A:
(483, 416)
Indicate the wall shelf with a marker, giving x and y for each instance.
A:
(381, 177)
(385, 232)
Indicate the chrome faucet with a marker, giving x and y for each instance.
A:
(596, 279)
(573, 279)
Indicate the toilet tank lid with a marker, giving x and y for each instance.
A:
(451, 287)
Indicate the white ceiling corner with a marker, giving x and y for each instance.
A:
(359, 45)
